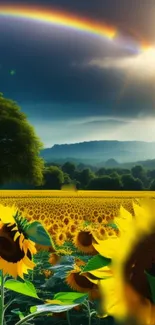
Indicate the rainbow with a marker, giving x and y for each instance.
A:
(63, 19)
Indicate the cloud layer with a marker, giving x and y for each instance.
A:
(77, 87)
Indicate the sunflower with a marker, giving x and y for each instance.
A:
(80, 283)
(126, 292)
(47, 273)
(16, 250)
(83, 238)
(72, 227)
(64, 251)
(54, 258)
(60, 238)
(100, 233)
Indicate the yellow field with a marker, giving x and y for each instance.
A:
(66, 211)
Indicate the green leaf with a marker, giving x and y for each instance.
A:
(26, 288)
(61, 270)
(37, 233)
(52, 308)
(75, 297)
(96, 262)
(151, 280)
(33, 309)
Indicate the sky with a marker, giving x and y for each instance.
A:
(77, 86)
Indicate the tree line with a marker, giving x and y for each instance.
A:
(21, 166)
(136, 179)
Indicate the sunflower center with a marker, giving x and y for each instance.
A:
(85, 238)
(83, 282)
(141, 259)
(9, 249)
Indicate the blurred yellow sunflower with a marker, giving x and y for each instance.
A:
(126, 291)
(16, 250)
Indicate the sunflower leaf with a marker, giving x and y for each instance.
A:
(96, 262)
(74, 297)
(37, 233)
(26, 288)
(61, 270)
(151, 281)
(52, 308)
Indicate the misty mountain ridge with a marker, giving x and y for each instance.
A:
(99, 152)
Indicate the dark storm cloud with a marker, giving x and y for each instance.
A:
(57, 87)
(44, 58)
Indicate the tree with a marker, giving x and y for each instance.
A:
(67, 179)
(53, 178)
(19, 146)
(105, 183)
(131, 184)
(86, 176)
(114, 174)
(101, 172)
(151, 173)
(69, 168)
(151, 178)
(139, 172)
(152, 185)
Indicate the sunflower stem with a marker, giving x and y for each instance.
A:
(29, 317)
(87, 305)
(2, 299)
(68, 318)
(89, 313)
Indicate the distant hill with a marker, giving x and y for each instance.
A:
(99, 152)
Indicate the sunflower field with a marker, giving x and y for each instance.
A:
(77, 257)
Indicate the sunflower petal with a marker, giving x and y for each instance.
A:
(93, 280)
(6, 214)
(17, 234)
(144, 217)
(29, 245)
(107, 247)
(20, 269)
(28, 262)
(102, 272)
(21, 241)
(15, 228)
(113, 302)
(124, 221)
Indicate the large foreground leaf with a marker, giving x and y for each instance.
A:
(62, 301)
(37, 233)
(26, 288)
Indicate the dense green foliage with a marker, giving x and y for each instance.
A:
(19, 146)
(56, 175)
